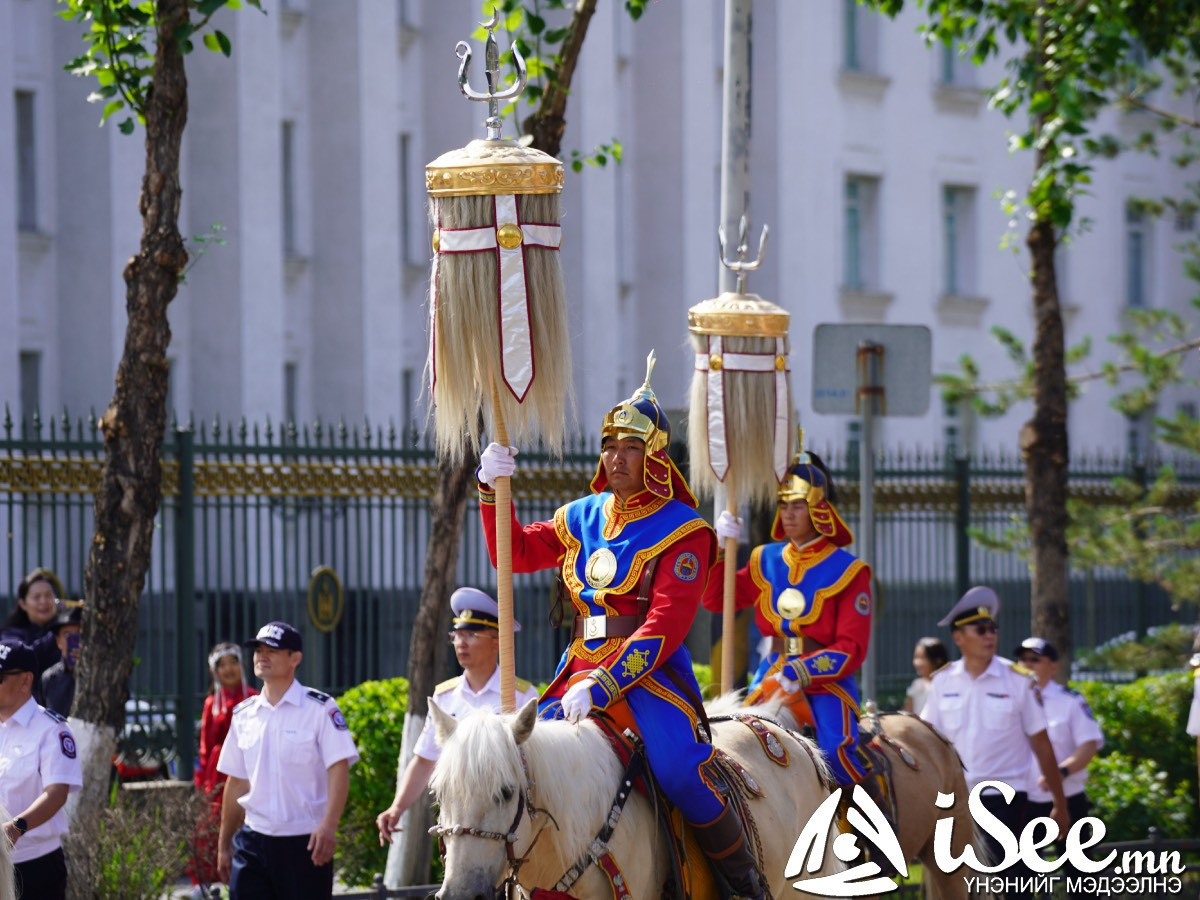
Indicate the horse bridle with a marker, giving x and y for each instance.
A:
(524, 802)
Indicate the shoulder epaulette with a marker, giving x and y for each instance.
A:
(448, 685)
(56, 716)
(1021, 670)
(318, 696)
(1072, 691)
(244, 703)
(521, 685)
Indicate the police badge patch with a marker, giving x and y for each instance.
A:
(339, 721)
(67, 742)
(687, 566)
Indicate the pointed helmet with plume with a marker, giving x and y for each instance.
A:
(808, 479)
(641, 417)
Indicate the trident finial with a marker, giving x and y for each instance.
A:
(741, 265)
(491, 56)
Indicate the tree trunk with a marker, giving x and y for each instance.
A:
(127, 500)
(1045, 450)
(548, 123)
(409, 855)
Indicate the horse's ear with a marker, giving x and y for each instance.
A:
(526, 717)
(443, 723)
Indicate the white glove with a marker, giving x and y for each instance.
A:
(728, 526)
(577, 701)
(496, 461)
(789, 685)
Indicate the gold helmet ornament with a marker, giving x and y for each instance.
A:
(809, 481)
(641, 417)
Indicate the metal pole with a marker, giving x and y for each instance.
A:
(185, 603)
(870, 391)
(735, 208)
(735, 131)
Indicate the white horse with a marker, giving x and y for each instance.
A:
(529, 803)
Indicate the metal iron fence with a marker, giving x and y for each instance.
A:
(326, 527)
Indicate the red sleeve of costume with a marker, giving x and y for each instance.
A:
(534, 547)
(744, 592)
(852, 632)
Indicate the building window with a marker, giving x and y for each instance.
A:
(288, 174)
(30, 376)
(291, 378)
(950, 428)
(1138, 434)
(860, 263)
(955, 68)
(27, 217)
(860, 39)
(1185, 218)
(958, 239)
(1137, 241)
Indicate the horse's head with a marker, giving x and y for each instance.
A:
(481, 788)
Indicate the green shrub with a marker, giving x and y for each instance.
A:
(374, 710)
(1162, 649)
(1146, 773)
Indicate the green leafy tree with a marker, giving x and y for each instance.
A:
(1065, 63)
(134, 52)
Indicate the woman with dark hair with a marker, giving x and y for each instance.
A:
(928, 656)
(30, 622)
(229, 688)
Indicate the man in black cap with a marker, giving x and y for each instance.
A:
(475, 637)
(39, 767)
(288, 758)
(991, 709)
(58, 681)
(1072, 729)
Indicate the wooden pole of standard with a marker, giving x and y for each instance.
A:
(504, 587)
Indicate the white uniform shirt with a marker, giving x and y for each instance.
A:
(1193, 722)
(987, 718)
(284, 751)
(456, 697)
(36, 749)
(1069, 723)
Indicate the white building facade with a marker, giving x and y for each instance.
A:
(875, 162)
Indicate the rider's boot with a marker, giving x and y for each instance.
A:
(723, 841)
(883, 803)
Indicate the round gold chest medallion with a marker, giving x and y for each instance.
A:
(601, 568)
(791, 604)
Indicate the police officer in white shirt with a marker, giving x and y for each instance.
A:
(39, 766)
(475, 636)
(991, 710)
(288, 758)
(1074, 733)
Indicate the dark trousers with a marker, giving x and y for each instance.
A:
(1013, 816)
(44, 878)
(1078, 806)
(276, 868)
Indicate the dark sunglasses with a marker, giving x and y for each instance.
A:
(982, 628)
(1030, 659)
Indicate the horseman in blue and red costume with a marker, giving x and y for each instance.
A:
(813, 599)
(634, 557)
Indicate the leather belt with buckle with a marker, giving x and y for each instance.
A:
(597, 627)
(794, 646)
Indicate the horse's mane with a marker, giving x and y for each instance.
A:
(573, 770)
